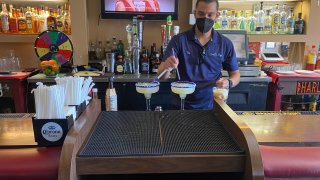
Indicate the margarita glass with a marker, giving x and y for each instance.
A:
(183, 88)
(147, 88)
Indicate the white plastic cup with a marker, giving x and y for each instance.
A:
(220, 93)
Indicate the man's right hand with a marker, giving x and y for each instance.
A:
(169, 64)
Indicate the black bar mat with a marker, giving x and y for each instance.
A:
(124, 134)
(141, 133)
(195, 132)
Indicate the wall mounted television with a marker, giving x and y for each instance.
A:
(150, 9)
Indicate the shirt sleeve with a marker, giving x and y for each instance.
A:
(230, 63)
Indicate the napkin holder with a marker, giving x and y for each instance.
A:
(51, 132)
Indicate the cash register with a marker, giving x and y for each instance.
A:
(245, 57)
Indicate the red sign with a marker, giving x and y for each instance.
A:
(308, 87)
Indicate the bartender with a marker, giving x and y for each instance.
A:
(199, 54)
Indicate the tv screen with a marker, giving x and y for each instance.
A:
(150, 9)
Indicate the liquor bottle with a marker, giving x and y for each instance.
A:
(28, 15)
(233, 20)
(111, 97)
(100, 51)
(145, 62)
(4, 17)
(299, 25)
(114, 44)
(51, 21)
(156, 64)
(268, 22)
(92, 51)
(276, 20)
(291, 22)
(120, 47)
(224, 20)
(60, 20)
(127, 66)
(13, 22)
(217, 24)
(67, 19)
(283, 20)
(241, 21)
(260, 19)
(119, 69)
(251, 24)
(35, 21)
(22, 22)
(136, 54)
(152, 56)
(43, 20)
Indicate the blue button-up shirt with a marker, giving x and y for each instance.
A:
(201, 64)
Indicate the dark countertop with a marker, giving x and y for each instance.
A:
(134, 78)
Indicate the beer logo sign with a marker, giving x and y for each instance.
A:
(51, 131)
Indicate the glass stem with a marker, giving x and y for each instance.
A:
(182, 104)
(148, 104)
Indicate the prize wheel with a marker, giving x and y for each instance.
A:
(56, 45)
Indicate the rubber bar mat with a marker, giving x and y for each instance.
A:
(141, 133)
(124, 133)
(196, 132)
(16, 115)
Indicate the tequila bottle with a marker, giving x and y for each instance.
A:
(260, 19)
(268, 23)
(60, 20)
(283, 20)
(4, 17)
(28, 15)
(224, 21)
(299, 25)
(233, 20)
(13, 22)
(276, 20)
(251, 22)
(241, 21)
(291, 22)
(22, 22)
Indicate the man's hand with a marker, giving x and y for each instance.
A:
(169, 64)
(222, 83)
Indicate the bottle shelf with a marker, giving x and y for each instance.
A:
(277, 38)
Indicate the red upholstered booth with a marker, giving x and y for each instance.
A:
(30, 163)
(290, 162)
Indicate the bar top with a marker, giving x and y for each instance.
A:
(133, 78)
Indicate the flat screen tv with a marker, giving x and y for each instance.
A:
(150, 9)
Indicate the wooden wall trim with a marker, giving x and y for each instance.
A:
(74, 140)
(245, 137)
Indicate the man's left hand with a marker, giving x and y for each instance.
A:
(222, 83)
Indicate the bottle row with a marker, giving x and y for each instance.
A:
(34, 20)
(301, 103)
(123, 59)
(262, 21)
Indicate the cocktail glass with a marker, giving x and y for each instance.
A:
(183, 88)
(147, 88)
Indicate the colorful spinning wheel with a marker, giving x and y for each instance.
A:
(56, 45)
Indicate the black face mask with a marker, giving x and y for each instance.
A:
(204, 24)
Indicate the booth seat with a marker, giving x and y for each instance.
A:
(290, 162)
(30, 163)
